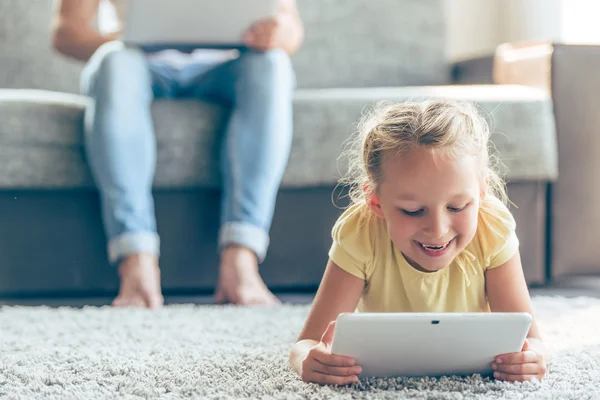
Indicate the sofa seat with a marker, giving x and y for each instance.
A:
(41, 139)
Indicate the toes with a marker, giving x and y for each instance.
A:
(137, 302)
(152, 299)
(261, 299)
(270, 300)
(119, 302)
(155, 301)
(246, 296)
(220, 297)
(239, 298)
(123, 301)
(257, 301)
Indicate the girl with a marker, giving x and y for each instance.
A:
(427, 231)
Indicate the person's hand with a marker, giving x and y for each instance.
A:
(526, 365)
(264, 35)
(320, 366)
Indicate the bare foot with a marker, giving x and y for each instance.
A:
(140, 282)
(239, 280)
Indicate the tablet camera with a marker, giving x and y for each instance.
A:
(435, 322)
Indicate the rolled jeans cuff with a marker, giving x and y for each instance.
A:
(130, 243)
(246, 235)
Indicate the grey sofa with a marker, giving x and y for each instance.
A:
(355, 53)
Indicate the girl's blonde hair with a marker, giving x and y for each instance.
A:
(449, 127)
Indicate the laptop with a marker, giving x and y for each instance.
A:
(190, 24)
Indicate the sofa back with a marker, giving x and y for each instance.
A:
(26, 57)
(367, 43)
(348, 43)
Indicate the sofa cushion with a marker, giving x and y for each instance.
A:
(41, 135)
(521, 119)
(41, 141)
(349, 43)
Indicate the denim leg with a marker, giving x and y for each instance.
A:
(256, 146)
(120, 145)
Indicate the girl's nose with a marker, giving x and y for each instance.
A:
(437, 227)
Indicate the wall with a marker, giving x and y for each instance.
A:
(476, 27)
(473, 27)
(580, 21)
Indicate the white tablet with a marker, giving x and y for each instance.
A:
(156, 24)
(428, 344)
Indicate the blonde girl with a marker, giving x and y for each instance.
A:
(428, 230)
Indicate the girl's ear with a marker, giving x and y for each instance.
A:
(484, 190)
(373, 202)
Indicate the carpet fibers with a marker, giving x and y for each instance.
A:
(186, 351)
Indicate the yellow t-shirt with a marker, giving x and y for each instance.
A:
(362, 247)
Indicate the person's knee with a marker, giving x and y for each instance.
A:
(117, 69)
(270, 70)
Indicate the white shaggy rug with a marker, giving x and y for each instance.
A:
(226, 352)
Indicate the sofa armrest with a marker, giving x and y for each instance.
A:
(575, 87)
(522, 63)
(570, 74)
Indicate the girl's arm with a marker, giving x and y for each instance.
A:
(311, 357)
(507, 292)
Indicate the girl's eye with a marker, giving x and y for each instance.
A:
(412, 213)
(457, 209)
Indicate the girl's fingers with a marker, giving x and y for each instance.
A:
(336, 371)
(522, 357)
(325, 379)
(515, 377)
(520, 369)
(331, 359)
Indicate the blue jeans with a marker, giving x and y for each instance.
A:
(121, 147)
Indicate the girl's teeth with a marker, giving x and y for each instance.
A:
(435, 248)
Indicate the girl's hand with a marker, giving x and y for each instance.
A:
(320, 366)
(528, 364)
